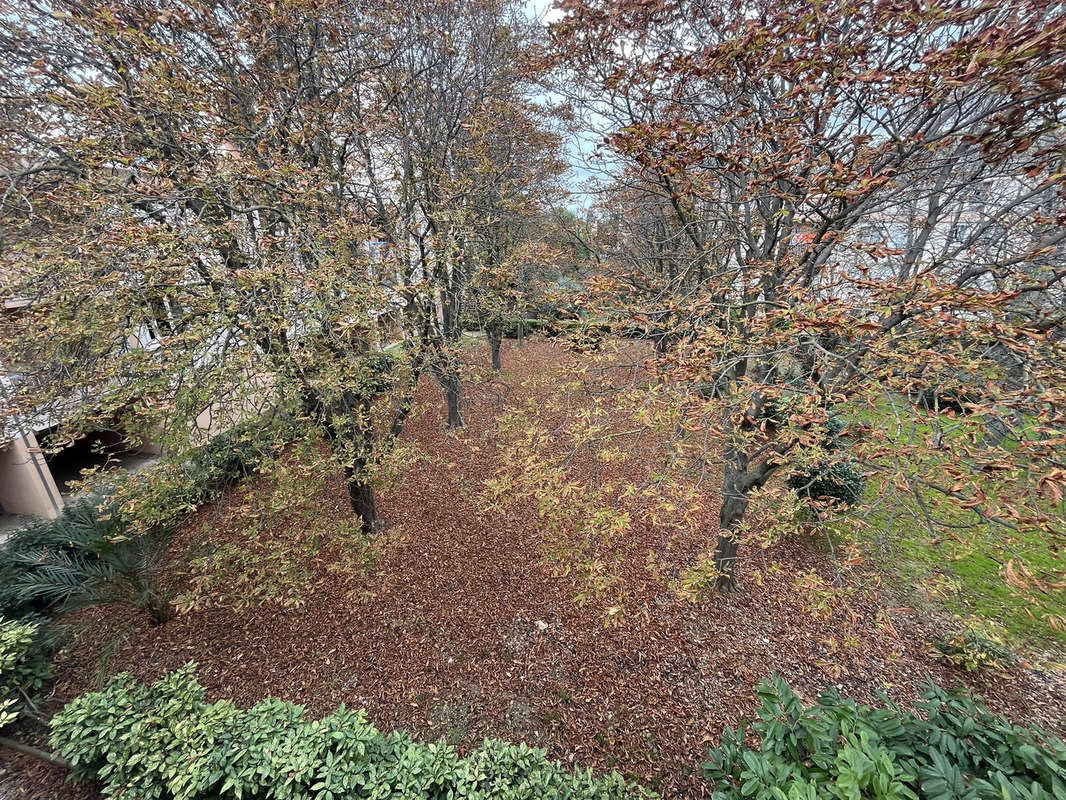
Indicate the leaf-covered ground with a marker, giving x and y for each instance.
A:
(455, 627)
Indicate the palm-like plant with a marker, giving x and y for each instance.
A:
(86, 558)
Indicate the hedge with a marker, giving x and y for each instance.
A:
(163, 741)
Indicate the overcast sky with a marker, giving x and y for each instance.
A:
(544, 11)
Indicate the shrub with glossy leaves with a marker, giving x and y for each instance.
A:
(951, 748)
(841, 481)
(165, 741)
(24, 667)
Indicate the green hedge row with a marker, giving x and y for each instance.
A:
(165, 741)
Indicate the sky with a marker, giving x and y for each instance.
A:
(542, 10)
(545, 12)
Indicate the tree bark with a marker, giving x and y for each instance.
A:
(361, 496)
(159, 608)
(734, 505)
(452, 386)
(520, 331)
(360, 491)
(495, 340)
(738, 480)
(452, 393)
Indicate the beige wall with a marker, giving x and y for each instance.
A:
(26, 484)
(223, 415)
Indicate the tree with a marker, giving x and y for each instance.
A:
(519, 166)
(454, 140)
(819, 208)
(215, 208)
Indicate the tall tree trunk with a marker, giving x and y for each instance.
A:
(520, 331)
(360, 491)
(452, 393)
(734, 505)
(738, 479)
(495, 340)
(449, 380)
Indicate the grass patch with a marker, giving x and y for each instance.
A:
(960, 559)
(963, 568)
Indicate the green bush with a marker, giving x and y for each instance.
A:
(226, 459)
(841, 481)
(953, 748)
(832, 479)
(976, 650)
(235, 453)
(165, 741)
(32, 547)
(24, 667)
(109, 548)
(154, 500)
(509, 327)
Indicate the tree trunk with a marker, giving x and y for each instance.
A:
(495, 340)
(452, 386)
(159, 608)
(520, 332)
(361, 443)
(361, 497)
(734, 505)
(452, 393)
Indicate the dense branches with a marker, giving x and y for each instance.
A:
(818, 208)
(213, 207)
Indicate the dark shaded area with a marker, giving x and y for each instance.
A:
(100, 449)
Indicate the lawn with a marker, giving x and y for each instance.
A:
(950, 555)
(452, 625)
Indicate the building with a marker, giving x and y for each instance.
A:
(38, 479)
